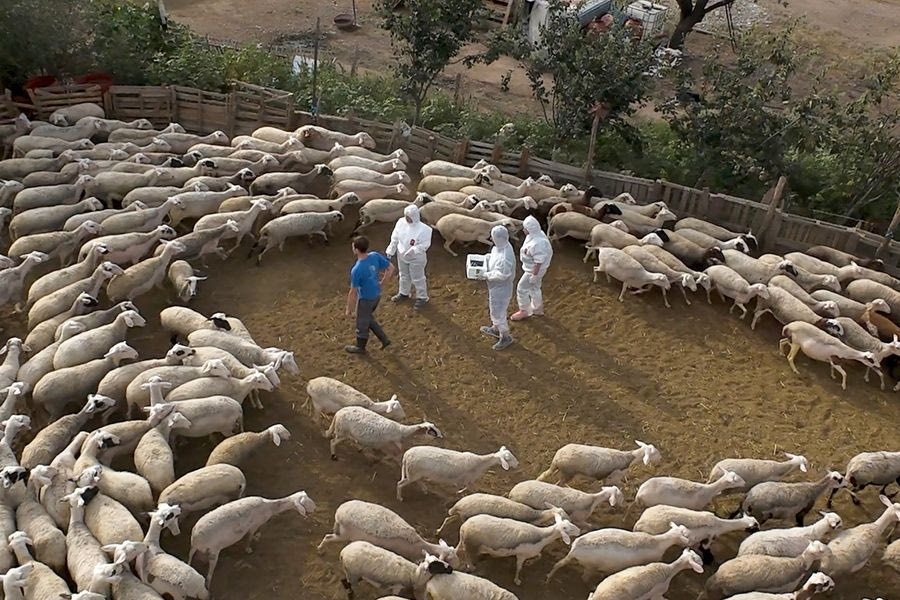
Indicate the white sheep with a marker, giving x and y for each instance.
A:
(245, 220)
(42, 363)
(12, 280)
(826, 308)
(93, 320)
(139, 221)
(312, 181)
(42, 581)
(819, 345)
(619, 265)
(791, 541)
(236, 449)
(56, 244)
(56, 302)
(462, 228)
(130, 489)
(805, 279)
(384, 166)
(162, 571)
(730, 284)
(866, 290)
(60, 278)
(647, 581)
(755, 270)
(779, 500)
(486, 534)
(597, 463)
(45, 332)
(462, 585)
(249, 354)
(498, 506)
(108, 519)
(153, 456)
(94, 343)
(851, 549)
(153, 196)
(362, 561)
(871, 468)
(654, 265)
(194, 205)
(612, 550)
(228, 524)
(785, 307)
(56, 390)
(50, 195)
(372, 431)
(707, 241)
(69, 115)
(183, 279)
(205, 488)
(856, 336)
(50, 218)
(139, 279)
(138, 395)
(683, 493)
(363, 174)
(213, 414)
(129, 248)
(49, 543)
(277, 231)
(755, 572)
(321, 138)
(14, 580)
(755, 470)
(703, 526)
(13, 392)
(379, 210)
(329, 395)
(83, 549)
(458, 470)
(577, 504)
(232, 387)
(202, 243)
(13, 348)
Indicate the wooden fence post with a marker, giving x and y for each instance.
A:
(656, 191)
(589, 167)
(889, 234)
(395, 135)
(432, 144)
(768, 229)
(173, 105)
(524, 159)
(231, 112)
(497, 152)
(462, 148)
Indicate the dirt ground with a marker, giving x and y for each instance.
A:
(695, 381)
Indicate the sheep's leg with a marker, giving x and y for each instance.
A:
(795, 348)
(784, 342)
(520, 562)
(213, 559)
(622, 295)
(447, 521)
(665, 298)
(447, 247)
(802, 514)
(756, 316)
(331, 538)
(404, 481)
(559, 564)
(880, 376)
(708, 296)
(843, 373)
(743, 309)
(334, 442)
(684, 293)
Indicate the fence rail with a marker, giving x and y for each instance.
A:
(247, 107)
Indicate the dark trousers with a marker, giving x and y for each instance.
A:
(366, 321)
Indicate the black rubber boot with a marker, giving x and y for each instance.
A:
(358, 348)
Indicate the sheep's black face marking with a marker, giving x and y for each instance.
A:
(89, 494)
(791, 270)
(432, 432)
(612, 209)
(438, 567)
(662, 235)
(221, 324)
(89, 302)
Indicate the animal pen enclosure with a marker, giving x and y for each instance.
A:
(247, 107)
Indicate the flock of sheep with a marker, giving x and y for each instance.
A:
(98, 213)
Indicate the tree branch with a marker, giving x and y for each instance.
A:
(717, 5)
(686, 7)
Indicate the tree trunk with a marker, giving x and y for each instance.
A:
(685, 26)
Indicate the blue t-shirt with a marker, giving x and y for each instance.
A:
(364, 275)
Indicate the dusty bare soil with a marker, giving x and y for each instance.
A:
(692, 380)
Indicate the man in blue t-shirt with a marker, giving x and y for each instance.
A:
(365, 293)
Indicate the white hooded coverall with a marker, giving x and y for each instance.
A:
(500, 276)
(410, 242)
(535, 254)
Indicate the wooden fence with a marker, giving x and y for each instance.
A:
(247, 107)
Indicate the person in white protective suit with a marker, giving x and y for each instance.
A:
(500, 275)
(410, 242)
(535, 254)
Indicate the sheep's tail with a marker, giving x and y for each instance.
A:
(330, 433)
(548, 474)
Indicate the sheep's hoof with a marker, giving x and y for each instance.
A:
(334, 457)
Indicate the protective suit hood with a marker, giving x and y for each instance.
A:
(500, 236)
(412, 211)
(531, 225)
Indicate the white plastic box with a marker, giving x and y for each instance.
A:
(653, 16)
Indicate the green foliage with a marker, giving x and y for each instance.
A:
(586, 70)
(426, 37)
(41, 37)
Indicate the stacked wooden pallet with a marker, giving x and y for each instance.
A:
(499, 11)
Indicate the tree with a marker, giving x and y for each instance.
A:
(692, 12)
(426, 37)
(609, 71)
